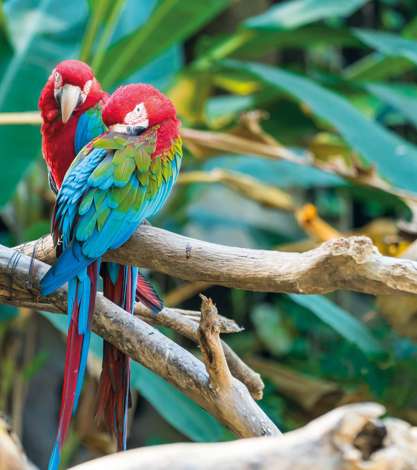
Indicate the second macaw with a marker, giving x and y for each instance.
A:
(71, 104)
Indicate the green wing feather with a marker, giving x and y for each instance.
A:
(129, 184)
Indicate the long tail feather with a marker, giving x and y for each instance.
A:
(120, 284)
(146, 293)
(70, 262)
(81, 299)
(114, 387)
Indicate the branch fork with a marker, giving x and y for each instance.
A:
(211, 347)
(143, 343)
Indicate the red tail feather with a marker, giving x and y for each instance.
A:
(72, 363)
(73, 354)
(114, 387)
(146, 294)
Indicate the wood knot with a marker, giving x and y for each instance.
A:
(358, 248)
(370, 438)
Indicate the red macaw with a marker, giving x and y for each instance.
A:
(71, 104)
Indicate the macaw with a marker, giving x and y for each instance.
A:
(71, 105)
(115, 182)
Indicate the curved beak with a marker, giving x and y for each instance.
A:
(70, 99)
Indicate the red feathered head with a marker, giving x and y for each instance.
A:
(135, 107)
(70, 87)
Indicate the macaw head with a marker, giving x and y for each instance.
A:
(131, 109)
(69, 86)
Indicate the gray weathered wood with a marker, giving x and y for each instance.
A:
(352, 263)
(19, 285)
(349, 438)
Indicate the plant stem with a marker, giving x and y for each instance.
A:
(105, 37)
(96, 16)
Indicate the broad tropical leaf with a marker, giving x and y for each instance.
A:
(37, 47)
(394, 158)
(389, 44)
(295, 13)
(340, 321)
(401, 97)
(162, 30)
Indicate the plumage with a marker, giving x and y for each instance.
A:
(67, 131)
(62, 141)
(116, 181)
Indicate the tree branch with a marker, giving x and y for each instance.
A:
(211, 348)
(352, 263)
(19, 285)
(250, 140)
(180, 321)
(350, 437)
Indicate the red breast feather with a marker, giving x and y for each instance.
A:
(57, 137)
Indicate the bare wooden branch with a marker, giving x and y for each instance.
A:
(349, 438)
(264, 194)
(12, 455)
(250, 142)
(186, 325)
(19, 285)
(28, 117)
(352, 263)
(211, 348)
(203, 143)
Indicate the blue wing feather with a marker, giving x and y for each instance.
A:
(83, 241)
(89, 126)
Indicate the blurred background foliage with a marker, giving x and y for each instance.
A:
(306, 112)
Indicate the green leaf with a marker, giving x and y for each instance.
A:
(401, 97)
(271, 330)
(179, 410)
(41, 35)
(265, 41)
(111, 20)
(7, 312)
(98, 12)
(379, 67)
(389, 44)
(4, 33)
(171, 22)
(295, 13)
(274, 28)
(340, 321)
(279, 173)
(394, 158)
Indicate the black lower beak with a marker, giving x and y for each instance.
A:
(135, 130)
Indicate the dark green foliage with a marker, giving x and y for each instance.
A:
(337, 82)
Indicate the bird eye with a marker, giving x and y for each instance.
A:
(58, 80)
(86, 90)
(137, 117)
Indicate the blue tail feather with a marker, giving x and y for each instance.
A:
(83, 366)
(55, 457)
(81, 298)
(67, 266)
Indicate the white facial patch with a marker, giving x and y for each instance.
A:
(86, 90)
(57, 80)
(57, 83)
(137, 117)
